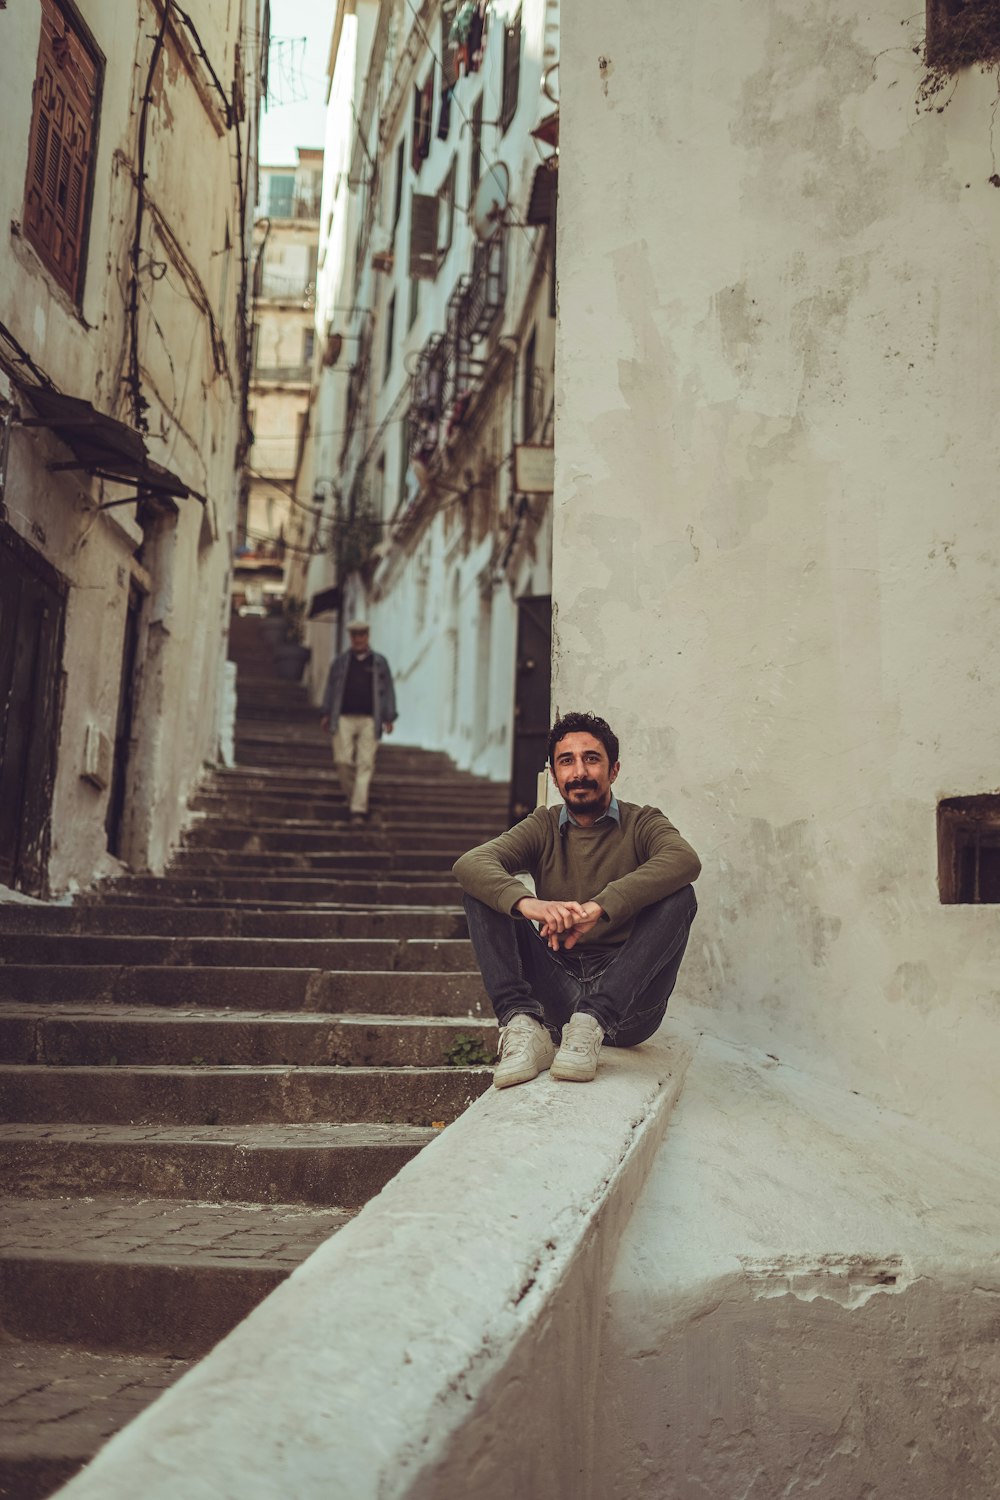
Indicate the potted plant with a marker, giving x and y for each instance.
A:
(291, 654)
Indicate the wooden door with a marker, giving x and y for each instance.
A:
(32, 611)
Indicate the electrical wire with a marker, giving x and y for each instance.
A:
(139, 405)
(457, 105)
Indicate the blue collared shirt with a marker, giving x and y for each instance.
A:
(565, 816)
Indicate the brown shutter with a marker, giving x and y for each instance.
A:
(424, 209)
(59, 156)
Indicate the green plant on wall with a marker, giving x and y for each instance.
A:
(355, 536)
(960, 34)
(294, 612)
(468, 1052)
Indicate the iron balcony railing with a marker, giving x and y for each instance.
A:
(450, 366)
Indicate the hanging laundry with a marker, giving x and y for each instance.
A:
(444, 116)
(477, 28)
(463, 20)
(423, 123)
(467, 34)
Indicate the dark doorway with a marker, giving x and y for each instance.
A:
(114, 821)
(531, 702)
(32, 613)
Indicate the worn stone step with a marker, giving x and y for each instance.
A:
(245, 952)
(420, 804)
(389, 785)
(228, 921)
(266, 813)
(324, 1165)
(147, 1276)
(389, 772)
(321, 838)
(403, 992)
(59, 1404)
(332, 830)
(294, 890)
(127, 1036)
(368, 862)
(236, 1096)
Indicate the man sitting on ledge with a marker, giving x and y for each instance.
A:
(613, 905)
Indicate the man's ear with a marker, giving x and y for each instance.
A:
(613, 773)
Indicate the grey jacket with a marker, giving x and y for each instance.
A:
(383, 693)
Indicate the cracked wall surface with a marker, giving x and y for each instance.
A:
(806, 1301)
(776, 562)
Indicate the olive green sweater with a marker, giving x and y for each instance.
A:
(623, 868)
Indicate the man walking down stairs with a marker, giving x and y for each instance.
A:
(206, 1074)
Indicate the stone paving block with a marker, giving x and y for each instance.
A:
(140, 1275)
(320, 1164)
(237, 1096)
(322, 973)
(41, 1442)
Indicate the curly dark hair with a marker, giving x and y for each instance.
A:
(584, 724)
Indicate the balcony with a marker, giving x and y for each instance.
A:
(450, 367)
(282, 374)
(290, 288)
(295, 206)
(426, 399)
(486, 288)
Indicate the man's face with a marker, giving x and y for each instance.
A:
(359, 642)
(581, 771)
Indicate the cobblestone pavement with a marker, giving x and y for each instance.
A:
(292, 1136)
(115, 1229)
(77, 1398)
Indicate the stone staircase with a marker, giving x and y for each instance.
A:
(206, 1074)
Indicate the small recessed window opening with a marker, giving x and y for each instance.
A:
(969, 850)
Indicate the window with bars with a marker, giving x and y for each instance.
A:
(65, 108)
(390, 338)
(511, 71)
(476, 148)
(969, 850)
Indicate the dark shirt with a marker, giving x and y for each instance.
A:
(358, 686)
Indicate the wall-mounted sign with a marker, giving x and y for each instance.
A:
(534, 468)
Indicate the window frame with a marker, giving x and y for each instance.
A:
(475, 148)
(73, 283)
(390, 337)
(511, 72)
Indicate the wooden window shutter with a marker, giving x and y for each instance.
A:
(424, 209)
(511, 72)
(60, 154)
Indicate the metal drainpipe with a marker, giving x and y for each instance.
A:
(8, 414)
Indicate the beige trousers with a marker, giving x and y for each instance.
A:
(354, 747)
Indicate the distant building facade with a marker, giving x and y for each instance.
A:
(128, 193)
(432, 421)
(286, 247)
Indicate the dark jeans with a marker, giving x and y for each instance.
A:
(626, 988)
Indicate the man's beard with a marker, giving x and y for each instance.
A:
(591, 804)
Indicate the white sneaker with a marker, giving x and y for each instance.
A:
(526, 1049)
(577, 1058)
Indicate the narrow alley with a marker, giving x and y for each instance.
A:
(207, 1074)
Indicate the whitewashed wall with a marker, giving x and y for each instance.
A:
(441, 609)
(193, 418)
(776, 534)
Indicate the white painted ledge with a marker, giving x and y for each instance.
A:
(460, 1310)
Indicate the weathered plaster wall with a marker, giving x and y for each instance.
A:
(776, 557)
(188, 284)
(804, 1302)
